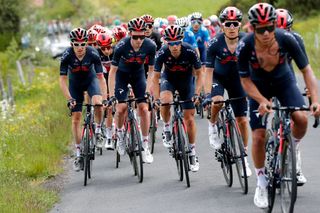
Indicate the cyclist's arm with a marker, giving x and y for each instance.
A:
(311, 82)
(103, 86)
(149, 79)
(199, 77)
(99, 73)
(155, 85)
(64, 86)
(111, 79)
(151, 55)
(208, 80)
(251, 89)
(210, 60)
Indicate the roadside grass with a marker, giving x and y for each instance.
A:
(129, 9)
(32, 144)
(308, 29)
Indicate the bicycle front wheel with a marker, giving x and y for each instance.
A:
(137, 150)
(153, 129)
(177, 155)
(288, 175)
(239, 155)
(86, 156)
(184, 149)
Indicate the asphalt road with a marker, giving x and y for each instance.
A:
(117, 190)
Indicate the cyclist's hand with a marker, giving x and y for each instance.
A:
(315, 109)
(105, 103)
(206, 101)
(156, 104)
(112, 100)
(71, 103)
(196, 99)
(264, 107)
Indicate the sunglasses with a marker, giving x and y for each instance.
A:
(261, 30)
(172, 43)
(196, 21)
(76, 44)
(232, 23)
(93, 44)
(136, 37)
(106, 48)
(149, 26)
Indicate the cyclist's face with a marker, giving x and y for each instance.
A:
(149, 30)
(79, 48)
(175, 48)
(265, 33)
(137, 38)
(231, 28)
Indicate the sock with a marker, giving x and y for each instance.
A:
(98, 128)
(145, 141)
(211, 124)
(261, 178)
(109, 132)
(167, 127)
(77, 150)
(192, 148)
(246, 149)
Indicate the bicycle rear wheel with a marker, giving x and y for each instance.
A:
(153, 129)
(117, 154)
(288, 185)
(137, 151)
(184, 149)
(239, 155)
(271, 173)
(86, 156)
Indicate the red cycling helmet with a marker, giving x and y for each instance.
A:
(172, 18)
(148, 19)
(262, 13)
(137, 24)
(92, 35)
(78, 35)
(119, 33)
(98, 28)
(173, 33)
(230, 13)
(104, 40)
(284, 19)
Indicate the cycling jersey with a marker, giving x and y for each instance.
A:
(177, 74)
(106, 63)
(156, 37)
(226, 75)
(82, 74)
(189, 38)
(277, 83)
(202, 36)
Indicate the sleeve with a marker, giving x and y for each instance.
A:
(192, 39)
(117, 54)
(294, 50)
(195, 58)
(159, 60)
(64, 63)
(152, 53)
(211, 53)
(243, 56)
(206, 36)
(301, 44)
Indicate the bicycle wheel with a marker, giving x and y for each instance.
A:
(288, 185)
(224, 154)
(153, 129)
(239, 155)
(137, 150)
(86, 157)
(271, 173)
(184, 149)
(117, 154)
(91, 156)
(177, 155)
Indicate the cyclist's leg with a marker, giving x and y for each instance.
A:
(109, 117)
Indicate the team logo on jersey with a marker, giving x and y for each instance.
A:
(64, 55)
(120, 91)
(239, 47)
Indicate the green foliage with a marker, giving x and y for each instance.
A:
(131, 8)
(300, 7)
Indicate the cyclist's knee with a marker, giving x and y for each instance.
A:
(76, 118)
(143, 109)
(300, 119)
(242, 120)
(121, 109)
(258, 137)
(97, 99)
(217, 98)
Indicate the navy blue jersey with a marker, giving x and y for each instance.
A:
(82, 71)
(220, 58)
(177, 67)
(301, 44)
(248, 64)
(127, 60)
(105, 60)
(156, 37)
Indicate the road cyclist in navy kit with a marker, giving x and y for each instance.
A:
(222, 74)
(265, 73)
(81, 64)
(180, 61)
(128, 68)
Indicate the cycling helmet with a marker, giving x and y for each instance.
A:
(261, 13)
(173, 33)
(148, 19)
(284, 19)
(92, 35)
(137, 24)
(78, 35)
(119, 33)
(206, 22)
(172, 18)
(97, 27)
(183, 22)
(214, 19)
(196, 16)
(230, 13)
(104, 40)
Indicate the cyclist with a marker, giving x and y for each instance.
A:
(210, 28)
(172, 19)
(188, 36)
(179, 60)
(222, 73)
(264, 73)
(215, 23)
(83, 66)
(104, 41)
(127, 68)
(118, 33)
(92, 36)
(285, 21)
